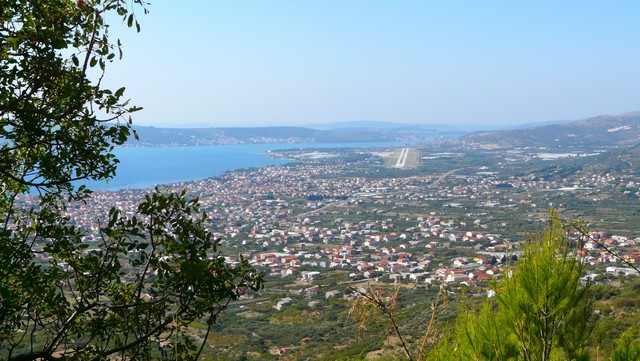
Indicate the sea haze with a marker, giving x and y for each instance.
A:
(144, 167)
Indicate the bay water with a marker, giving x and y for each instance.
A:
(144, 167)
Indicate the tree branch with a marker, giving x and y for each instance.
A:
(135, 342)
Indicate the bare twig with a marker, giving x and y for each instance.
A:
(577, 226)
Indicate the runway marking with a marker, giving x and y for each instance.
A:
(402, 159)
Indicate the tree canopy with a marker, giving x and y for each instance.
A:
(150, 274)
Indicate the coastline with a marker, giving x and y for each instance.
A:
(146, 167)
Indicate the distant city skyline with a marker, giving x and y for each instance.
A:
(471, 65)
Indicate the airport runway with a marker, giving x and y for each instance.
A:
(402, 159)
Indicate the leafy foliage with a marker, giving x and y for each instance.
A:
(153, 272)
(53, 117)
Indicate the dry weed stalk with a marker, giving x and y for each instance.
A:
(369, 306)
(442, 293)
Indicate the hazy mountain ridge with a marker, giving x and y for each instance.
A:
(605, 130)
(536, 124)
(154, 136)
(377, 124)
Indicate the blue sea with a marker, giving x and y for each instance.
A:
(144, 167)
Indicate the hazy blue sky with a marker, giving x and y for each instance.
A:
(465, 63)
